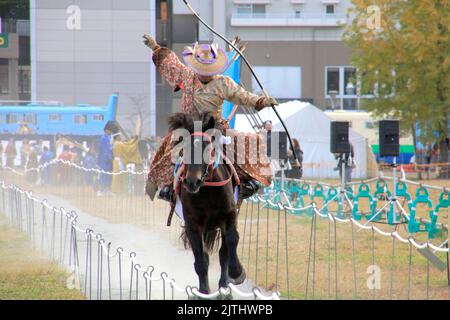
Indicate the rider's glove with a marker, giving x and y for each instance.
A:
(150, 42)
(265, 102)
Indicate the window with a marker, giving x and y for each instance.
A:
(251, 9)
(54, 117)
(281, 82)
(79, 119)
(12, 118)
(4, 76)
(24, 79)
(298, 14)
(259, 8)
(333, 80)
(30, 118)
(97, 117)
(329, 9)
(244, 9)
(371, 124)
(346, 83)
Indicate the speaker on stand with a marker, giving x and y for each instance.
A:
(340, 144)
(389, 142)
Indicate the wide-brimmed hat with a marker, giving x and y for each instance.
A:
(205, 59)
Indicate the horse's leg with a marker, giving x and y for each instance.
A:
(223, 259)
(201, 259)
(235, 269)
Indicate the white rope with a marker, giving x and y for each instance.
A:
(131, 255)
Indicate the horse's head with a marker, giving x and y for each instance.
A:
(198, 151)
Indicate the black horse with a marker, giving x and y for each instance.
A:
(206, 193)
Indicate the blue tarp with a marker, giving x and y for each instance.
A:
(234, 72)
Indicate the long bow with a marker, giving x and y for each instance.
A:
(251, 70)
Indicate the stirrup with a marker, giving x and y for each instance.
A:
(248, 188)
(166, 193)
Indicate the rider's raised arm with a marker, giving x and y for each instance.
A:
(168, 64)
(239, 96)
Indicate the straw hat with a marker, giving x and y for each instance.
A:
(205, 59)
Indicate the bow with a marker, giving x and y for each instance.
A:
(250, 68)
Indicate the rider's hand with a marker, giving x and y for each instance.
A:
(265, 102)
(150, 42)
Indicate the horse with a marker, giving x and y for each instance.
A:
(206, 191)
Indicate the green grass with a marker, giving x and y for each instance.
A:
(26, 274)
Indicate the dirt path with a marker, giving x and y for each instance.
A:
(151, 250)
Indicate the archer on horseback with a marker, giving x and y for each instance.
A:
(204, 89)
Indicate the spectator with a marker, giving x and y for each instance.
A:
(126, 156)
(63, 169)
(1, 155)
(89, 163)
(296, 172)
(268, 129)
(46, 174)
(32, 165)
(427, 156)
(76, 177)
(349, 164)
(24, 128)
(38, 148)
(105, 160)
(11, 153)
(119, 181)
(24, 153)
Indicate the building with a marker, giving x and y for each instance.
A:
(82, 51)
(14, 59)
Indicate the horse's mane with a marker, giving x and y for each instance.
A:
(181, 120)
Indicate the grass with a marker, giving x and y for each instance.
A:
(275, 248)
(25, 274)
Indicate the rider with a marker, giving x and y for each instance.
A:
(204, 90)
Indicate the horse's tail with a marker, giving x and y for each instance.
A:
(211, 240)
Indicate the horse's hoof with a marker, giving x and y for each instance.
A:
(239, 280)
(227, 296)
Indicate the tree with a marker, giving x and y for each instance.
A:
(402, 48)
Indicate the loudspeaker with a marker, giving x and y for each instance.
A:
(389, 138)
(339, 142)
(283, 144)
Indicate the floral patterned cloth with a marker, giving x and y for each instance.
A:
(197, 98)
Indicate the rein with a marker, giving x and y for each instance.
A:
(179, 169)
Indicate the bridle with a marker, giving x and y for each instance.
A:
(180, 166)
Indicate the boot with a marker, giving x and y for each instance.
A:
(248, 188)
(166, 193)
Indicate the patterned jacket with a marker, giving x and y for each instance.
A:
(198, 97)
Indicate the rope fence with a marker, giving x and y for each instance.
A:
(96, 269)
(301, 240)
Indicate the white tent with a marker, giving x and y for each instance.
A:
(311, 127)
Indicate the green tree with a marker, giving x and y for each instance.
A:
(402, 48)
